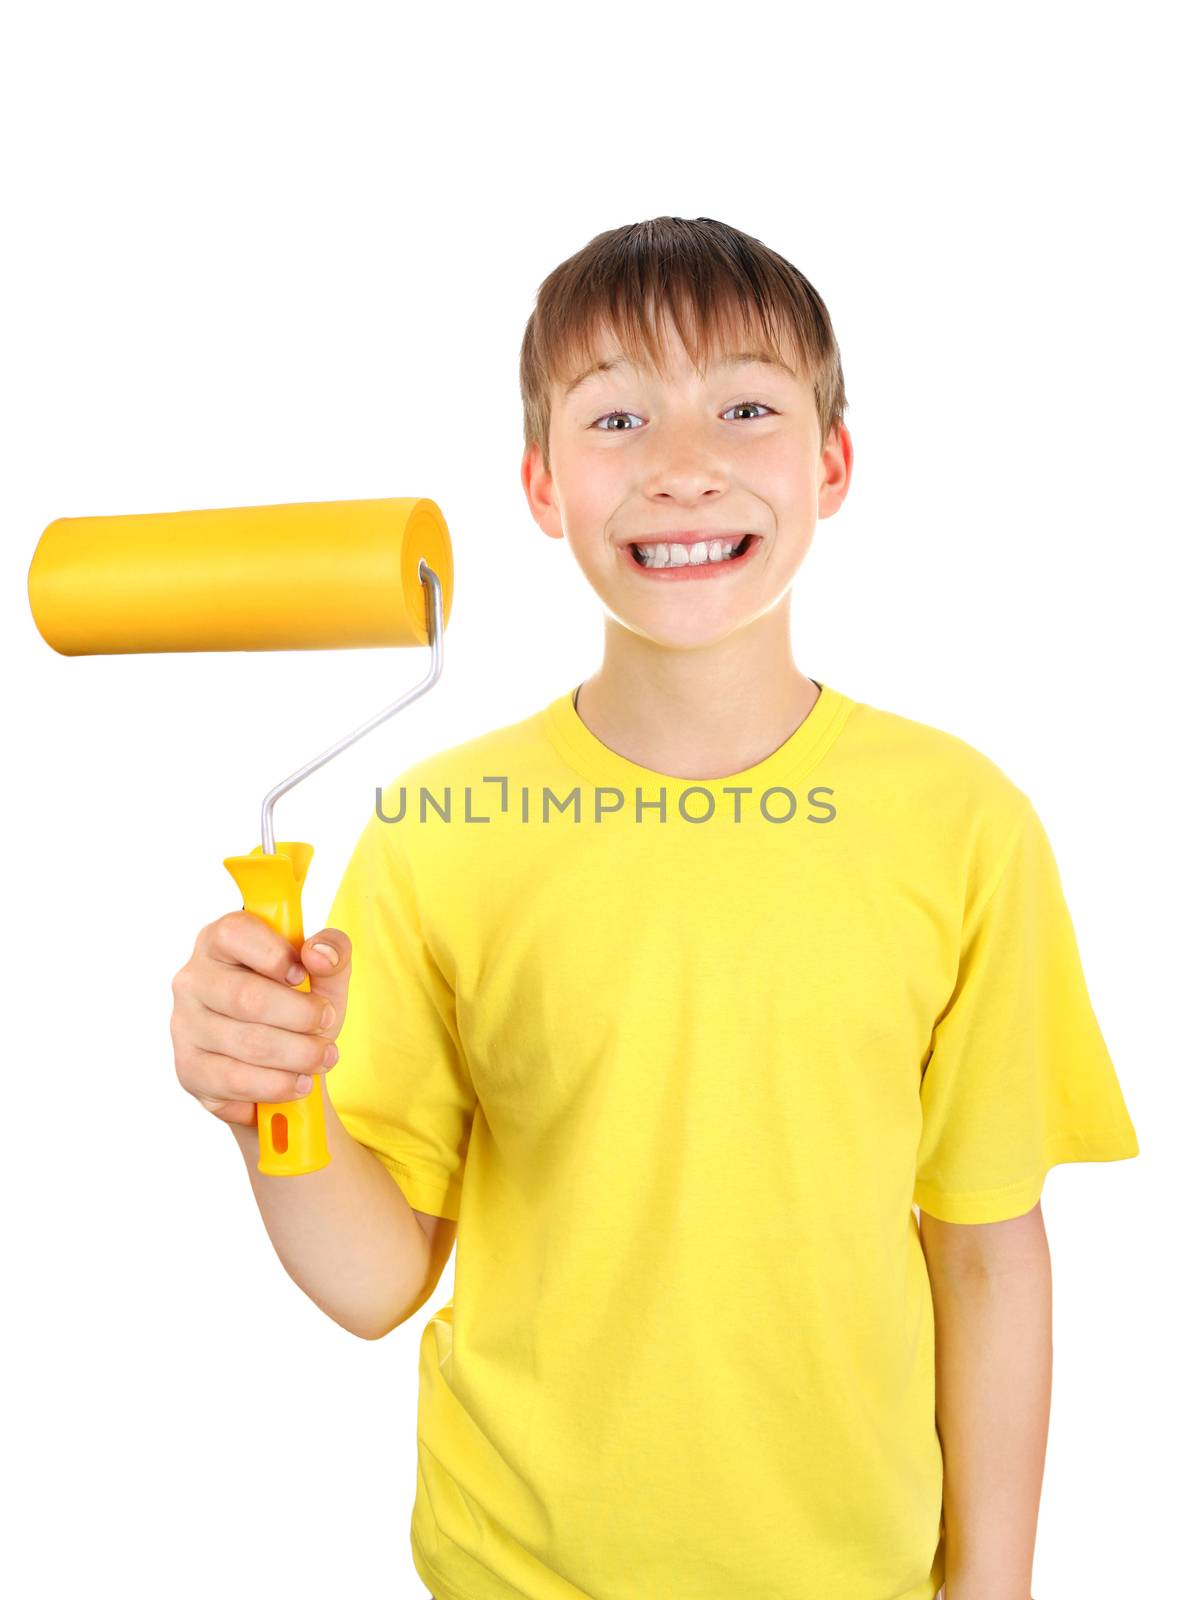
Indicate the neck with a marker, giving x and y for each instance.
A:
(698, 713)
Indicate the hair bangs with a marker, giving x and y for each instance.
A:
(723, 292)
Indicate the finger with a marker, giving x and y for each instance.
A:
(241, 938)
(327, 959)
(247, 996)
(258, 1044)
(213, 1076)
(231, 1110)
(327, 954)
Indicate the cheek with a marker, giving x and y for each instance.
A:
(585, 518)
(592, 498)
(788, 479)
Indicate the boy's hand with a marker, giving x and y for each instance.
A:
(242, 1033)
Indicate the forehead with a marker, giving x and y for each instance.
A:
(725, 360)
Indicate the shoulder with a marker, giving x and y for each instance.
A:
(921, 750)
(512, 750)
(444, 817)
(946, 791)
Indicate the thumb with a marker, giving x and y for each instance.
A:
(327, 960)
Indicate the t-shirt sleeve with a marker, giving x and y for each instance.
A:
(401, 1085)
(1018, 1077)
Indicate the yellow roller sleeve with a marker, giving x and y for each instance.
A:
(331, 575)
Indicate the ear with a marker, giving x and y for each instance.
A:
(835, 470)
(540, 492)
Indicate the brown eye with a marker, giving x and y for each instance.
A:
(746, 405)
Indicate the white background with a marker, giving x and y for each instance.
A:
(264, 253)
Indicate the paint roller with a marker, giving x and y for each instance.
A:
(348, 574)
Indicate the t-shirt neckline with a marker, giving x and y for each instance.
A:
(586, 753)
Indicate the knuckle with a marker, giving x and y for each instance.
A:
(242, 995)
(184, 1064)
(240, 1082)
(257, 1042)
(182, 1040)
(231, 933)
(181, 983)
(221, 931)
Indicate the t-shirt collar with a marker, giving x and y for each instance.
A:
(586, 753)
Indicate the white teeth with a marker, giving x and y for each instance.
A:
(681, 555)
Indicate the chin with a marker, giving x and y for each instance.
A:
(674, 632)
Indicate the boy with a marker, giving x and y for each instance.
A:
(735, 972)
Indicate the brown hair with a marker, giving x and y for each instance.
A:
(714, 281)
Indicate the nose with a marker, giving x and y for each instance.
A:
(685, 465)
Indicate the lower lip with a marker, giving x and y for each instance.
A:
(688, 573)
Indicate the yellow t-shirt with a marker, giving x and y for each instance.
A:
(681, 1056)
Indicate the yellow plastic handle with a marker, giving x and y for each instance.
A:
(292, 1136)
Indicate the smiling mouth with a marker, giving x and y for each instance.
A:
(665, 556)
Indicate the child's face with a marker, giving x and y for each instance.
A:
(639, 458)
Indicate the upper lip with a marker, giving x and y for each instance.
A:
(691, 536)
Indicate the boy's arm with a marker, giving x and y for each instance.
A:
(346, 1234)
(992, 1296)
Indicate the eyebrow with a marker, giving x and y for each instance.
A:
(759, 358)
